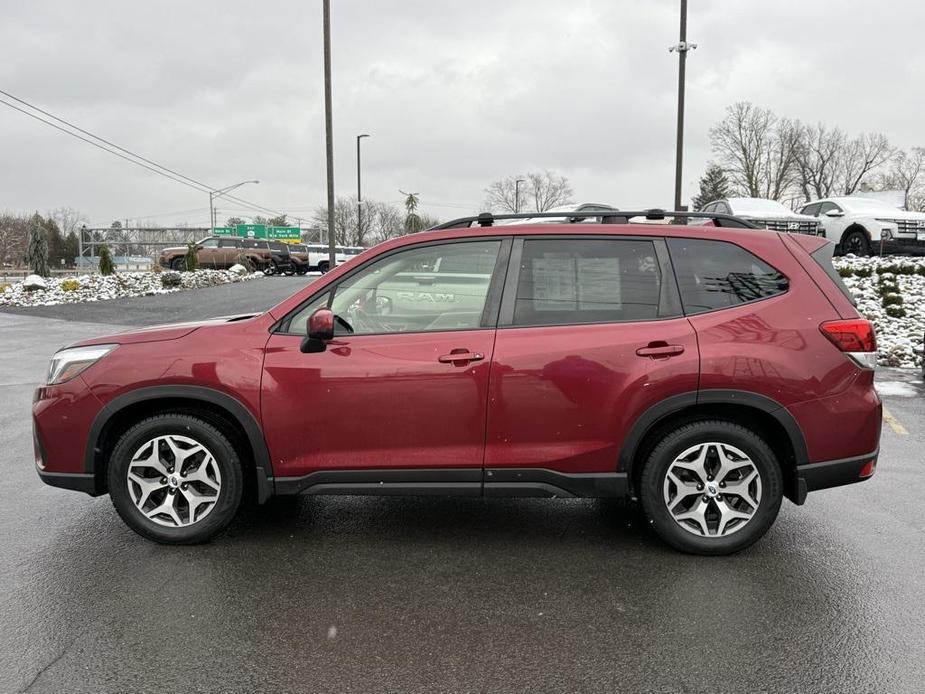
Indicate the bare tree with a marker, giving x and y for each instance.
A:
(818, 158)
(14, 235)
(68, 219)
(905, 174)
(538, 192)
(862, 156)
(380, 221)
(757, 149)
(548, 190)
(501, 195)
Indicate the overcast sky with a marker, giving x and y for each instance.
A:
(454, 93)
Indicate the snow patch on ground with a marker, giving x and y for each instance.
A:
(899, 339)
(84, 288)
(898, 389)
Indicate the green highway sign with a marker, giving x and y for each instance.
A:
(287, 234)
(223, 231)
(252, 231)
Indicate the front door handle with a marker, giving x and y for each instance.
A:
(460, 355)
(660, 350)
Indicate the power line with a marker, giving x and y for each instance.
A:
(171, 174)
(99, 146)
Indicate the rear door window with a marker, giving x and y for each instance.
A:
(570, 281)
(717, 274)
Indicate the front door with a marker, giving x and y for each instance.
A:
(590, 336)
(404, 384)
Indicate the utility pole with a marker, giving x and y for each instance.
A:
(359, 195)
(517, 183)
(682, 48)
(329, 137)
(217, 194)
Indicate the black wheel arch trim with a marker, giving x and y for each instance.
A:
(242, 415)
(656, 413)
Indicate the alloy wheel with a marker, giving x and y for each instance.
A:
(712, 489)
(174, 480)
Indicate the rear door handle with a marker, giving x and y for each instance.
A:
(660, 350)
(460, 355)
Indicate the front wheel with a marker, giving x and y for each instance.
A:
(178, 264)
(323, 266)
(856, 242)
(175, 479)
(711, 487)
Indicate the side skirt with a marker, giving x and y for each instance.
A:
(495, 482)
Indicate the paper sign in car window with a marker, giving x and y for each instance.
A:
(554, 285)
(599, 283)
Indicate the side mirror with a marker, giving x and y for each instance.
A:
(320, 329)
(834, 213)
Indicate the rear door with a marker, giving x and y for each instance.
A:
(228, 251)
(589, 337)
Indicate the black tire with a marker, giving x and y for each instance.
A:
(656, 468)
(178, 264)
(226, 459)
(856, 242)
(271, 268)
(323, 266)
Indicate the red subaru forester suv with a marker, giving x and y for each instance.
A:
(706, 371)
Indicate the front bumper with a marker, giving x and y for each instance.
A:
(899, 244)
(76, 481)
(61, 419)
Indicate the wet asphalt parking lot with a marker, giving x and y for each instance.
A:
(352, 594)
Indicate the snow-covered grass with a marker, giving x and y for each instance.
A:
(890, 291)
(83, 288)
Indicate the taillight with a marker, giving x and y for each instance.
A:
(854, 337)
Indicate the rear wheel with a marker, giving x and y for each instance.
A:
(711, 487)
(175, 479)
(271, 268)
(178, 264)
(323, 266)
(856, 242)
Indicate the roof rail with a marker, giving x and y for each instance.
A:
(615, 216)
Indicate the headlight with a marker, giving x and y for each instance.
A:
(69, 363)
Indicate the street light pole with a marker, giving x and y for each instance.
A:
(217, 194)
(329, 137)
(359, 195)
(517, 183)
(682, 48)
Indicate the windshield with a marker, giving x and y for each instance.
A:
(758, 206)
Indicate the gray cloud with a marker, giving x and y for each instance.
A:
(455, 94)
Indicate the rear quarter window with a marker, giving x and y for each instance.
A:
(718, 274)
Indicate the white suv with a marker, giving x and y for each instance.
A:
(769, 214)
(865, 225)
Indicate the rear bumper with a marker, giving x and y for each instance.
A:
(834, 473)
